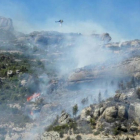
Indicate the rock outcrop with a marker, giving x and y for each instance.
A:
(6, 30)
(114, 115)
(6, 24)
(110, 114)
(50, 136)
(135, 113)
(106, 37)
(64, 118)
(120, 97)
(128, 68)
(122, 112)
(83, 115)
(96, 113)
(103, 37)
(123, 45)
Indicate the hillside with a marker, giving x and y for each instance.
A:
(67, 86)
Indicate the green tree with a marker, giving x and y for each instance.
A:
(75, 109)
(99, 97)
(23, 69)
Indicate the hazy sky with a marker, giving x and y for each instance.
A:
(121, 18)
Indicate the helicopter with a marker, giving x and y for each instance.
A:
(60, 21)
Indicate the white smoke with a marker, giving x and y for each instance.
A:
(85, 51)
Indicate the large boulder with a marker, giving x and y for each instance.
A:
(110, 114)
(105, 37)
(122, 112)
(117, 97)
(64, 118)
(9, 73)
(123, 128)
(50, 136)
(120, 97)
(136, 110)
(133, 128)
(102, 110)
(96, 113)
(83, 115)
(6, 24)
(123, 97)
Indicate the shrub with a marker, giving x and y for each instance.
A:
(57, 128)
(100, 128)
(49, 128)
(92, 121)
(14, 97)
(73, 125)
(6, 86)
(78, 137)
(68, 138)
(3, 73)
(135, 123)
(88, 112)
(23, 69)
(61, 134)
(138, 93)
(60, 128)
(115, 131)
(96, 133)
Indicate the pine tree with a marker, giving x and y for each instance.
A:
(133, 81)
(75, 110)
(99, 97)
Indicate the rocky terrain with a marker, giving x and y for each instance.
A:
(116, 118)
(78, 100)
